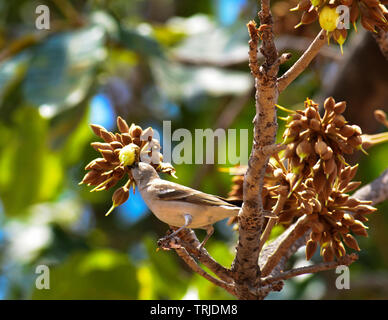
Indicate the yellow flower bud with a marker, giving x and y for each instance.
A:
(328, 18)
(128, 154)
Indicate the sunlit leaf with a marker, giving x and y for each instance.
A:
(63, 68)
(99, 274)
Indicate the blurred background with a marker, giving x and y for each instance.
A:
(149, 61)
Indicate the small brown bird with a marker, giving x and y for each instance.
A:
(178, 205)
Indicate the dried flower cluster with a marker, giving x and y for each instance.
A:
(119, 151)
(372, 13)
(313, 179)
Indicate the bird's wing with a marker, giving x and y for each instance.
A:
(174, 192)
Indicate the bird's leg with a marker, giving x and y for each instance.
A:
(188, 220)
(209, 231)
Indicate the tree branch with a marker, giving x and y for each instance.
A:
(303, 61)
(245, 266)
(376, 191)
(189, 241)
(190, 261)
(323, 266)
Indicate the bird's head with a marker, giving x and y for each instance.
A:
(143, 172)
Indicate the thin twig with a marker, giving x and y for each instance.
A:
(190, 242)
(190, 261)
(293, 233)
(272, 221)
(345, 260)
(303, 61)
(376, 191)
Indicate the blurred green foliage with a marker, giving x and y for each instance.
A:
(155, 60)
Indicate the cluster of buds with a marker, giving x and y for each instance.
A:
(317, 144)
(372, 13)
(119, 151)
(312, 179)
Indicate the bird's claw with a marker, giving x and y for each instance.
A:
(168, 243)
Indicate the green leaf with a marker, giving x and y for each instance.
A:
(63, 68)
(169, 280)
(30, 171)
(21, 157)
(144, 45)
(100, 274)
(212, 44)
(11, 72)
(185, 82)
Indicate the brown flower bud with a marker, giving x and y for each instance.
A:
(329, 166)
(120, 196)
(135, 131)
(320, 147)
(303, 5)
(352, 202)
(328, 154)
(116, 145)
(109, 155)
(311, 247)
(101, 146)
(365, 209)
(339, 249)
(354, 12)
(328, 253)
(351, 242)
(353, 171)
(290, 150)
(107, 136)
(347, 131)
(308, 17)
(359, 232)
(339, 121)
(341, 198)
(311, 113)
(357, 129)
(103, 164)
(329, 104)
(126, 138)
(315, 124)
(90, 177)
(352, 186)
(357, 225)
(340, 107)
(304, 150)
(122, 125)
(97, 129)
